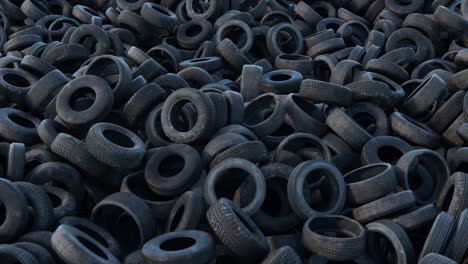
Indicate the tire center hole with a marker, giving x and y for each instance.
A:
(24, 122)
(389, 154)
(81, 99)
(16, 80)
(193, 30)
(280, 77)
(178, 243)
(171, 166)
(118, 138)
(177, 217)
(91, 246)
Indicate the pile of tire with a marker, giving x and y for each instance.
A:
(233, 131)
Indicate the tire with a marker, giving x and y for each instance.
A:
(438, 238)
(369, 183)
(455, 185)
(96, 232)
(99, 110)
(205, 116)
(296, 182)
(186, 174)
(114, 145)
(413, 130)
(175, 247)
(395, 235)
(186, 212)
(429, 159)
(323, 92)
(114, 211)
(16, 162)
(260, 125)
(74, 246)
(236, 230)
(38, 252)
(219, 144)
(281, 81)
(301, 114)
(13, 253)
(251, 80)
(433, 258)
(457, 246)
(417, 218)
(386, 149)
(216, 173)
(385, 206)
(160, 206)
(43, 212)
(18, 126)
(61, 174)
(347, 128)
(351, 246)
(63, 202)
(14, 202)
(282, 255)
(74, 150)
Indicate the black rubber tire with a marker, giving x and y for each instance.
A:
(63, 202)
(347, 128)
(186, 212)
(45, 89)
(39, 253)
(458, 245)
(219, 144)
(253, 151)
(417, 218)
(375, 149)
(297, 180)
(303, 116)
(438, 238)
(282, 255)
(323, 92)
(160, 206)
(452, 197)
(101, 107)
(15, 162)
(431, 160)
(98, 233)
(255, 121)
(18, 126)
(192, 246)
(75, 246)
(74, 150)
(115, 145)
(236, 230)
(61, 174)
(433, 258)
(16, 254)
(385, 206)
(215, 176)
(205, 115)
(272, 39)
(125, 209)
(375, 121)
(413, 130)
(369, 183)
(350, 246)
(395, 235)
(281, 81)
(186, 174)
(43, 212)
(17, 220)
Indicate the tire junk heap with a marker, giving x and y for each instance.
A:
(233, 131)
